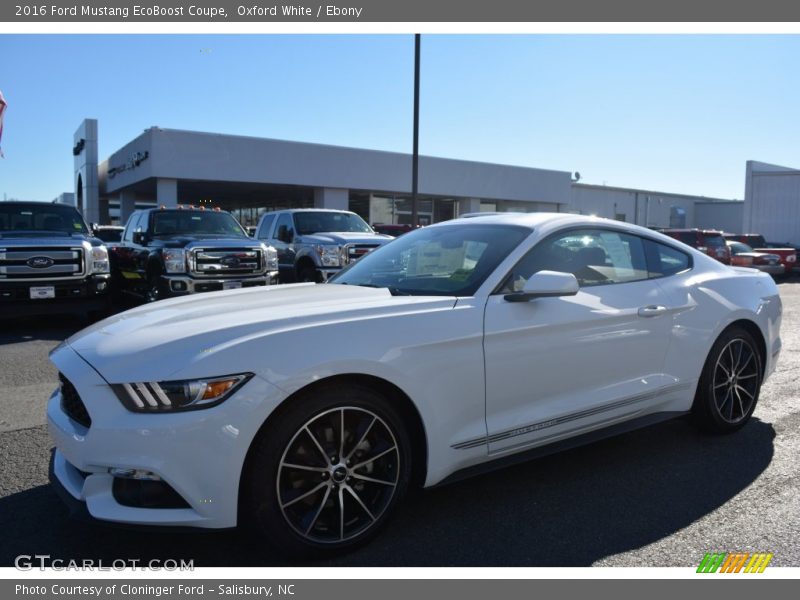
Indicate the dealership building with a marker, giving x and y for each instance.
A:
(249, 176)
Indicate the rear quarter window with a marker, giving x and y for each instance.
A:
(664, 260)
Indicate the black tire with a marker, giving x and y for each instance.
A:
(730, 382)
(349, 506)
(154, 290)
(308, 274)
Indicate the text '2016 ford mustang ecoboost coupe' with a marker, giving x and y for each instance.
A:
(309, 409)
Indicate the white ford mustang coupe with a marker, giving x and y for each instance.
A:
(308, 410)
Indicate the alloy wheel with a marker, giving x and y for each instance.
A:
(736, 380)
(338, 474)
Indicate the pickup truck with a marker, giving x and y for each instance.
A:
(314, 244)
(175, 252)
(788, 254)
(50, 262)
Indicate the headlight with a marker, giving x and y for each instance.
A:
(100, 260)
(270, 257)
(174, 260)
(170, 396)
(330, 256)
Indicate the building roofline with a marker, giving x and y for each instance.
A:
(156, 129)
(653, 192)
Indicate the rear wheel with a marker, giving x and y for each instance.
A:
(729, 384)
(329, 472)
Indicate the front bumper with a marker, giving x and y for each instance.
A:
(75, 296)
(778, 269)
(198, 454)
(181, 285)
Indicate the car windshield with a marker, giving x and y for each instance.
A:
(714, 240)
(195, 222)
(108, 235)
(739, 247)
(436, 261)
(318, 221)
(47, 217)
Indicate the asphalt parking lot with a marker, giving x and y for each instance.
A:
(662, 496)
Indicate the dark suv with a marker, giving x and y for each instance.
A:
(708, 241)
(50, 262)
(178, 251)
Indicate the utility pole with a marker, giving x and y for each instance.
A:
(415, 156)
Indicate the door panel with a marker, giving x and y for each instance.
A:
(560, 366)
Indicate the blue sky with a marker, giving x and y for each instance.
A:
(673, 113)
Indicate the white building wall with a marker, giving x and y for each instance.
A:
(642, 207)
(772, 202)
(725, 216)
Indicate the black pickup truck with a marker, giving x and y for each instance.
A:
(49, 262)
(178, 251)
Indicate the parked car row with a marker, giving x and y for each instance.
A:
(739, 249)
(50, 261)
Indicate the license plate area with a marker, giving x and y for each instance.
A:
(42, 292)
(231, 285)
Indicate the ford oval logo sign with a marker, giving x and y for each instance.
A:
(40, 262)
(230, 261)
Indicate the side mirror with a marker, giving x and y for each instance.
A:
(546, 284)
(139, 237)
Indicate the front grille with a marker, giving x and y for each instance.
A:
(217, 262)
(352, 252)
(41, 263)
(72, 404)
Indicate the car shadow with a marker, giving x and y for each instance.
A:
(569, 509)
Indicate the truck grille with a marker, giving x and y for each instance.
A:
(72, 404)
(41, 263)
(226, 261)
(352, 252)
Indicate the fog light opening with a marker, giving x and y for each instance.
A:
(140, 474)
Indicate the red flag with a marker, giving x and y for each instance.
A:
(2, 111)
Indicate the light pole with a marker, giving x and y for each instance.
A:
(415, 156)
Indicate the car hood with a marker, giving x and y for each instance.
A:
(345, 237)
(157, 341)
(63, 241)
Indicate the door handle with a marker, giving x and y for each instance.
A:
(652, 311)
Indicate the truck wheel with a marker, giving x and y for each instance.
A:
(729, 383)
(308, 274)
(325, 476)
(154, 291)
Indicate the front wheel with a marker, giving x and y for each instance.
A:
(729, 384)
(154, 291)
(309, 274)
(327, 474)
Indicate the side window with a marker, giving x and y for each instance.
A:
(663, 260)
(266, 224)
(285, 220)
(130, 227)
(594, 256)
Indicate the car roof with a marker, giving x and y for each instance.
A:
(538, 219)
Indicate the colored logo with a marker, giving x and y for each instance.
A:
(734, 562)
